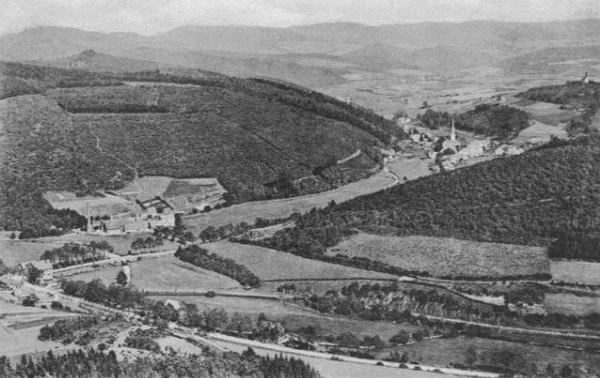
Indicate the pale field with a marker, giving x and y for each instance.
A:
(445, 351)
(165, 273)
(541, 132)
(105, 273)
(409, 168)
(339, 369)
(98, 206)
(582, 272)
(282, 208)
(14, 252)
(151, 186)
(446, 256)
(269, 264)
(181, 346)
(571, 304)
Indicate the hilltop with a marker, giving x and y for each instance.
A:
(80, 131)
(91, 60)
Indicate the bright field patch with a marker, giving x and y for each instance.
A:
(169, 273)
(446, 256)
(581, 272)
(14, 252)
(164, 274)
(269, 264)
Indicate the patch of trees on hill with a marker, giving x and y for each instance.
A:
(574, 94)
(486, 119)
(91, 364)
(202, 258)
(576, 246)
(527, 199)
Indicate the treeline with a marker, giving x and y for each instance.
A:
(161, 313)
(150, 243)
(202, 258)
(492, 120)
(120, 108)
(93, 364)
(576, 246)
(96, 291)
(72, 253)
(66, 328)
(394, 303)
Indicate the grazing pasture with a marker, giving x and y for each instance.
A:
(269, 264)
(571, 304)
(164, 274)
(281, 208)
(581, 272)
(409, 169)
(446, 256)
(14, 252)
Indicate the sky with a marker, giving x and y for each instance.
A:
(155, 16)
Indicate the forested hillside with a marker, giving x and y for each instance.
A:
(526, 199)
(86, 131)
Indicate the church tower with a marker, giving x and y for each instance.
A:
(453, 131)
(89, 219)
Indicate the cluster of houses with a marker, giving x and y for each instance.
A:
(450, 152)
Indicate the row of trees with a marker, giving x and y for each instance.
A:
(202, 258)
(150, 243)
(92, 364)
(72, 253)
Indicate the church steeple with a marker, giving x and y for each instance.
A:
(453, 131)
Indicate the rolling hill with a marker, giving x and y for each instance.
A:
(529, 199)
(91, 60)
(83, 131)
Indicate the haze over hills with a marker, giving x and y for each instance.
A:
(288, 53)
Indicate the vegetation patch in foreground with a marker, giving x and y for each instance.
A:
(202, 258)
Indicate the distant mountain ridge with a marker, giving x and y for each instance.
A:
(289, 53)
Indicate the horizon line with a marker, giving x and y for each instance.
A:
(29, 28)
